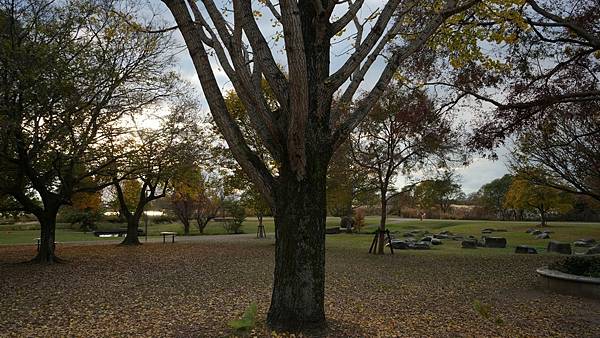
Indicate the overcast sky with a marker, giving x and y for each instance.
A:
(473, 176)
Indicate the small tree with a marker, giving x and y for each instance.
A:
(237, 215)
(439, 192)
(359, 219)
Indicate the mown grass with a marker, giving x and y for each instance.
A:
(515, 234)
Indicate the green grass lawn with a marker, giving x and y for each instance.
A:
(563, 231)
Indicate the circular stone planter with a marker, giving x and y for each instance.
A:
(570, 284)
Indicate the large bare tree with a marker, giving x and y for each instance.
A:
(304, 131)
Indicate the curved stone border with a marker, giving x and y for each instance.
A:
(570, 284)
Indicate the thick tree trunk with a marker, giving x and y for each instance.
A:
(299, 278)
(133, 222)
(46, 253)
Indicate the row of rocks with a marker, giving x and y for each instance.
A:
(409, 244)
(486, 242)
(539, 234)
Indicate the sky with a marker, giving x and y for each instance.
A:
(478, 172)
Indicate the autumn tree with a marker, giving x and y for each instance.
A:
(71, 71)
(85, 209)
(402, 133)
(547, 56)
(562, 151)
(302, 131)
(541, 199)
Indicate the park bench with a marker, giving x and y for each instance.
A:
(114, 232)
(164, 234)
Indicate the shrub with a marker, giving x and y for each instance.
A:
(577, 265)
(359, 219)
(248, 320)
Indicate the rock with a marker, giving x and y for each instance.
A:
(524, 249)
(331, 231)
(562, 248)
(400, 245)
(495, 242)
(457, 238)
(584, 242)
(530, 230)
(469, 244)
(501, 230)
(408, 234)
(440, 236)
(595, 250)
(536, 232)
(543, 235)
(446, 232)
(436, 241)
(346, 223)
(420, 246)
(426, 239)
(486, 231)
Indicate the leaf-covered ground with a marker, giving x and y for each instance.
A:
(194, 289)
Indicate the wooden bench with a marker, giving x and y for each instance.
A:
(164, 234)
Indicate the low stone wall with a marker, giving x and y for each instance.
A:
(570, 284)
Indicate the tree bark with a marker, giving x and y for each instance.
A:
(299, 278)
(133, 221)
(46, 253)
(381, 239)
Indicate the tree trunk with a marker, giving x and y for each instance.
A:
(381, 239)
(299, 278)
(133, 221)
(543, 216)
(186, 226)
(46, 253)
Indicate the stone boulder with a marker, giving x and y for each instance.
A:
(436, 241)
(400, 245)
(530, 230)
(420, 246)
(446, 232)
(585, 242)
(494, 242)
(469, 244)
(331, 231)
(536, 232)
(426, 239)
(543, 235)
(559, 247)
(486, 231)
(595, 250)
(524, 249)
(440, 236)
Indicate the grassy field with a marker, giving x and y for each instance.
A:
(515, 235)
